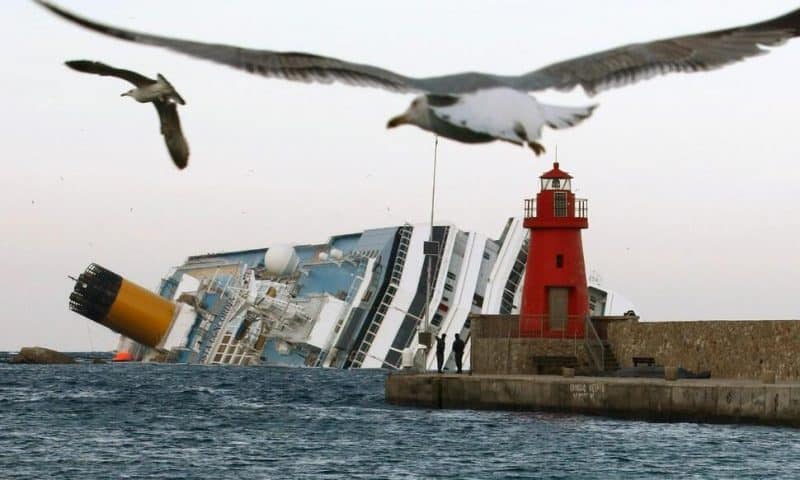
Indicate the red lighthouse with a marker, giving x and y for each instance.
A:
(555, 299)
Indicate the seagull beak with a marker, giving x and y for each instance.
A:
(397, 121)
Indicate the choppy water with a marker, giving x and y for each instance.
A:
(172, 421)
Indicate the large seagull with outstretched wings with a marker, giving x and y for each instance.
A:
(474, 107)
(159, 92)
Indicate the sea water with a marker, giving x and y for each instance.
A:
(177, 421)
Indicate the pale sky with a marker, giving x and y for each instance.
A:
(692, 180)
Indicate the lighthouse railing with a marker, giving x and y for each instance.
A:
(581, 208)
(530, 207)
(594, 345)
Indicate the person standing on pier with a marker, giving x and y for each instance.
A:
(440, 352)
(458, 351)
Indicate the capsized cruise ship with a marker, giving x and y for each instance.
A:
(355, 301)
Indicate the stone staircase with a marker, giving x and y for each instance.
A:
(610, 362)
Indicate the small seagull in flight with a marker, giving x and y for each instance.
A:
(159, 92)
(475, 107)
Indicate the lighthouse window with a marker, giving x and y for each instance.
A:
(560, 204)
(556, 183)
(559, 261)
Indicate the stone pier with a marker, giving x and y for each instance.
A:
(706, 400)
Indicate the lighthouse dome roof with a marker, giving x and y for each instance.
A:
(556, 173)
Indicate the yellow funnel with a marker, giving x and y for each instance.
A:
(133, 311)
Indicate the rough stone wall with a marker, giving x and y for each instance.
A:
(498, 349)
(729, 349)
(494, 326)
(513, 356)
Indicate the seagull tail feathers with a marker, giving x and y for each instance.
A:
(564, 117)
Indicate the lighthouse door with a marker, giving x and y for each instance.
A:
(558, 298)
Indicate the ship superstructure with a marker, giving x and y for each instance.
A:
(354, 301)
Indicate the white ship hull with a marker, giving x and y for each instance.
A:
(355, 301)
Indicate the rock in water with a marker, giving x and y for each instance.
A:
(40, 355)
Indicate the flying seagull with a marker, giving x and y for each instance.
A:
(159, 92)
(475, 107)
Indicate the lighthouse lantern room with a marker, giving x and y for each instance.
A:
(555, 299)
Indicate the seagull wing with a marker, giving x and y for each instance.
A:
(595, 72)
(171, 129)
(97, 68)
(303, 67)
(691, 53)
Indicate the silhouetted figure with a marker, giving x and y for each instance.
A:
(440, 352)
(458, 351)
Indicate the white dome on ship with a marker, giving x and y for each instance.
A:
(281, 260)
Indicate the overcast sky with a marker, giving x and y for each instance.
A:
(692, 180)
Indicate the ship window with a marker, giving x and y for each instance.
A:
(486, 256)
(451, 275)
(448, 287)
(559, 261)
(477, 300)
(436, 320)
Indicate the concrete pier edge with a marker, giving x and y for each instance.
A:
(706, 400)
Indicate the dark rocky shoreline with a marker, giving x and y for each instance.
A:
(46, 356)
